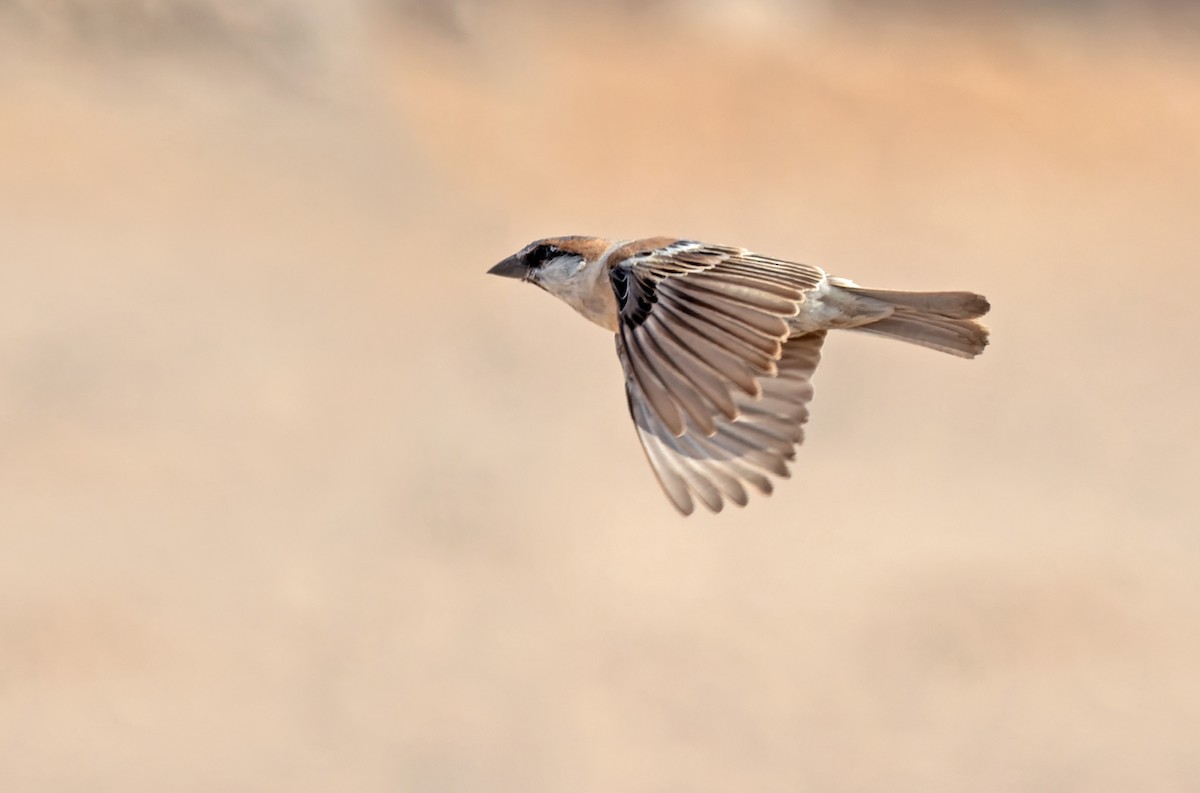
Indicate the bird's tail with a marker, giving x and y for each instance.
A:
(946, 321)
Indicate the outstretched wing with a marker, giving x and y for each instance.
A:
(741, 451)
(717, 391)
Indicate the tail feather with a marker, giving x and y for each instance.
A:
(955, 305)
(945, 321)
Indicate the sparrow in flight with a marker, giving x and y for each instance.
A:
(719, 345)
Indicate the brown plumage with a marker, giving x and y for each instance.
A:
(719, 346)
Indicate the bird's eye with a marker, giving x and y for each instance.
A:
(540, 255)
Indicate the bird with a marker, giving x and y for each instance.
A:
(719, 344)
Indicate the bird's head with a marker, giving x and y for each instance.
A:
(552, 263)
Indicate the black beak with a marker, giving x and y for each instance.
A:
(512, 267)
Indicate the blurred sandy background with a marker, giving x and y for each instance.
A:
(294, 498)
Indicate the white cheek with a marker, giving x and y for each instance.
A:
(566, 268)
(559, 274)
(568, 279)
